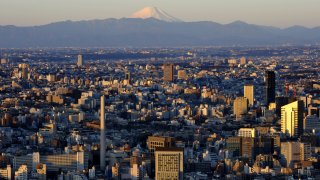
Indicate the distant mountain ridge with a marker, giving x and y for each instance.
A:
(152, 32)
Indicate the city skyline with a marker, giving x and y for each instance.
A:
(272, 13)
(171, 113)
(176, 90)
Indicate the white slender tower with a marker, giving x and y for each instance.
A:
(102, 135)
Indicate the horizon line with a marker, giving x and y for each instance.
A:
(182, 21)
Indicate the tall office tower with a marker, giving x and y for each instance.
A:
(24, 73)
(251, 147)
(80, 61)
(270, 80)
(169, 163)
(248, 92)
(102, 134)
(243, 61)
(240, 106)
(292, 119)
(156, 141)
(295, 151)
(247, 146)
(24, 70)
(168, 72)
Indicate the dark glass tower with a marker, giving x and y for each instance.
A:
(270, 79)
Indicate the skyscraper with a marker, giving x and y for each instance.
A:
(168, 72)
(240, 106)
(169, 163)
(295, 151)
(24, 70)
(248, 90)
(80, 60)
(251, 147)
(102, 134)
(243, 61)
(292, 119)
(270, 80)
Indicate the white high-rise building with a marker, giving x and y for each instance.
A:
(80, 61)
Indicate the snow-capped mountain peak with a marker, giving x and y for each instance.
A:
(154, 12)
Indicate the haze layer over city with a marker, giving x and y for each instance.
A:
(159, 90)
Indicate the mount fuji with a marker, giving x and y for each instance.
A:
(152, 27)
(154, 12)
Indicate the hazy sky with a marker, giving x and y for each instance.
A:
(280, 13)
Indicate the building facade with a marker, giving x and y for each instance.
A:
(169, 163)
(248, 92)
(292, 119)
(240, 106)
(168, 72)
